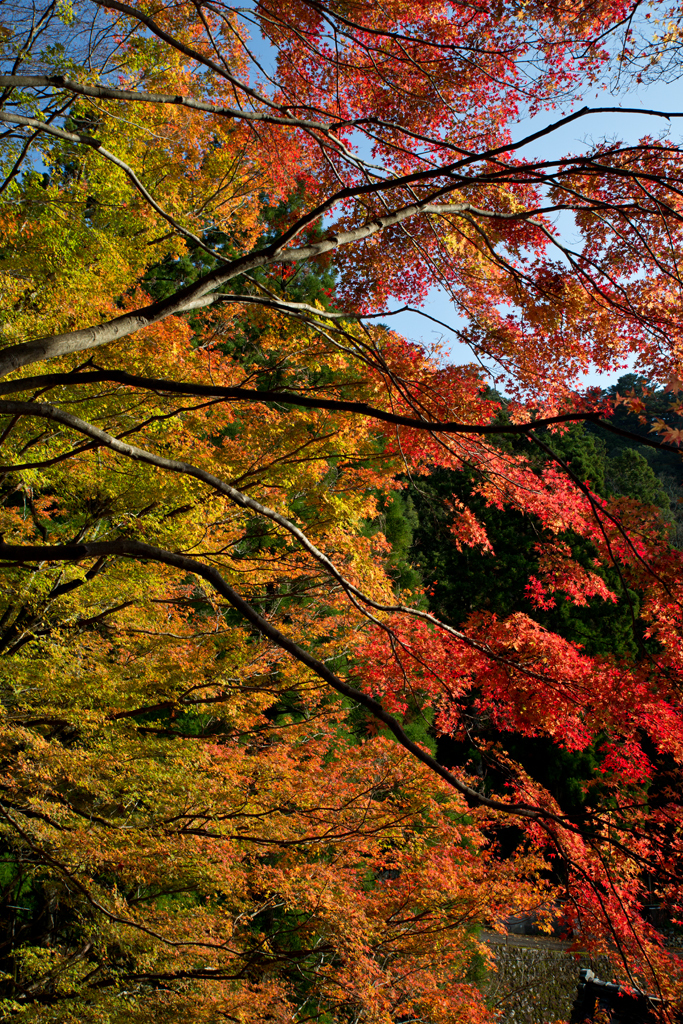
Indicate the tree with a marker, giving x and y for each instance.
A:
(219, 681)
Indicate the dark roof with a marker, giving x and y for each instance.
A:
(616, 1004)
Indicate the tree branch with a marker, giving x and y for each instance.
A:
(145, 552)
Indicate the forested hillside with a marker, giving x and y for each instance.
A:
(504, 579)
(319, 653)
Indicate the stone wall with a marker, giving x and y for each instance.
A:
(536, 982)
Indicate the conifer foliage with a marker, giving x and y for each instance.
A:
(242, 736)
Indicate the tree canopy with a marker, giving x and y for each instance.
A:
(319, 654)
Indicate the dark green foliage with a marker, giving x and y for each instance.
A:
(630, 473)
(657, 405)
(626, 474)
(664, 464)
(584, 453)
(400, 522)
(311, 283)
(564, 773)
(460, 582)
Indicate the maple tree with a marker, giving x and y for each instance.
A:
(222, 684)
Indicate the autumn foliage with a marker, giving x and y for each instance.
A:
(240, 757)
